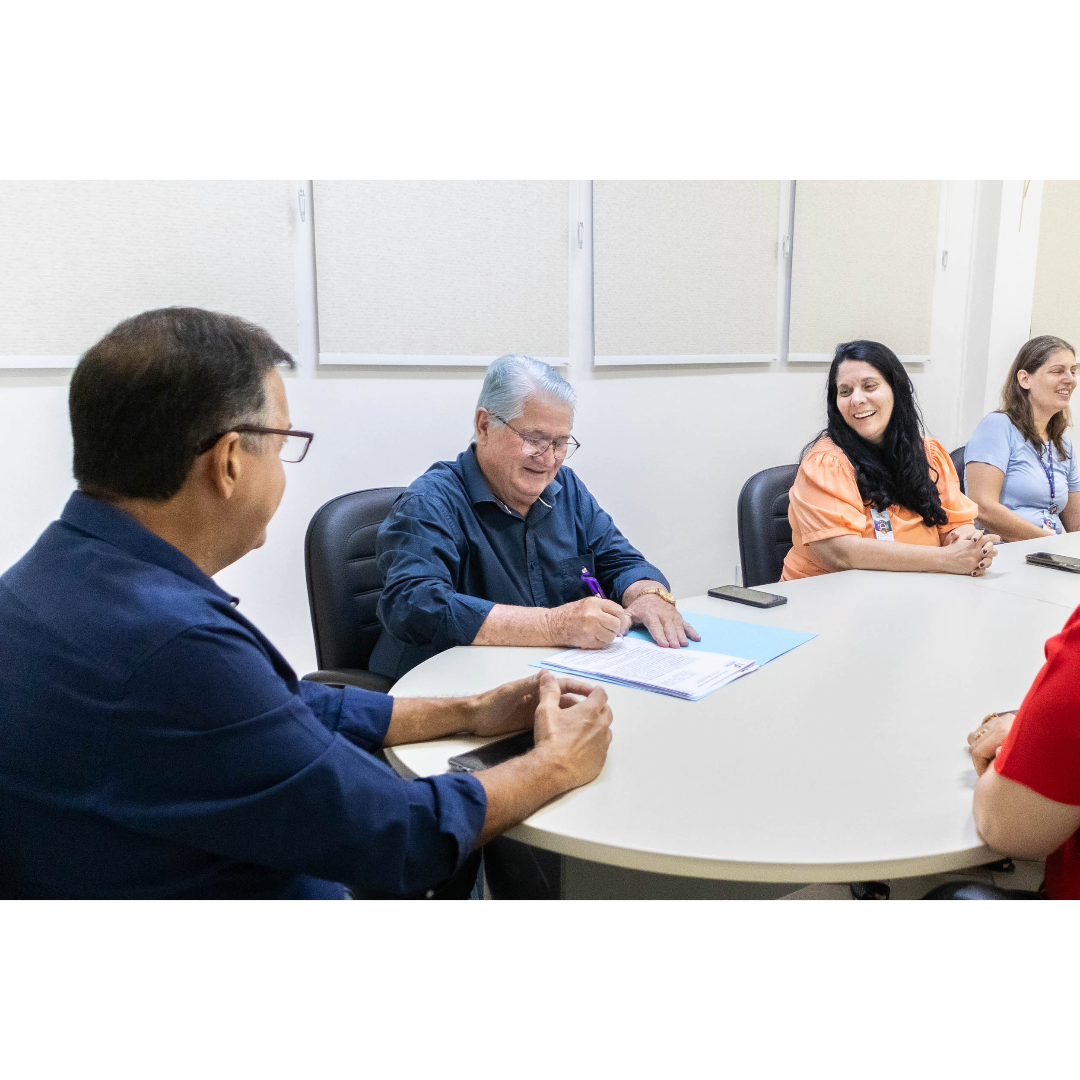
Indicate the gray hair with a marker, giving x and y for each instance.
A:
(514, 378)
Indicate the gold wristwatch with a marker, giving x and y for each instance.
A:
(661, 592)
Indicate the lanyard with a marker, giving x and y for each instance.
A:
(1049, 470)
(882, 525)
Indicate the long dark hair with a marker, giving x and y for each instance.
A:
(1015, 403)
(896, 473)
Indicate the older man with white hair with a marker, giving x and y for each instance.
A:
(505, 545)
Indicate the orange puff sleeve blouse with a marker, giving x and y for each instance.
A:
(825, 502)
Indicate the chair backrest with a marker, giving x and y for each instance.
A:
(958, 461)
(344, 584)
(764, 532)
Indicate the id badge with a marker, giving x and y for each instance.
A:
(1048, 521)
(882, 524)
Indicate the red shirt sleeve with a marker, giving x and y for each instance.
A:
(1042, 751)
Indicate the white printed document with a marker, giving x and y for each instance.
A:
(629, 661)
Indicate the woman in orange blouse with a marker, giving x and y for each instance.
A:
(872, 476)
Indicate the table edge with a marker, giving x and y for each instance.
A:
(725, 870)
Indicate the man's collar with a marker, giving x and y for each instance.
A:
(476, 486)
(108, 523)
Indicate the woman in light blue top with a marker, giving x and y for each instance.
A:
(1020, 466)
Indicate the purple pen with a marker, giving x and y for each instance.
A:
(594, 585)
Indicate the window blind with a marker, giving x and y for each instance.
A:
(1055, 306)
(79, 256)
(864, 260)
(447, 271)
(685, 270)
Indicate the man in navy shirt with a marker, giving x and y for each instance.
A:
(497, 547)
(153, 743)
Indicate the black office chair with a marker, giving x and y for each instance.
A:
(958, 463)
(344, 586)
(764, 532)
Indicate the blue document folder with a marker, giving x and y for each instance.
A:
(733, 638)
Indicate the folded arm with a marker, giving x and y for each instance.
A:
(572, 737)
(1015, 820)
(571, 721)
(1027, 803)
(964, 555)
(510, 707)
(860, 553)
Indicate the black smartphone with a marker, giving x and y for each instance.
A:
(753, 597)
(1055, 562)
(494, 753)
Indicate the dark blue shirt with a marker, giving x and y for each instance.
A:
(450, 551)
(154, 744)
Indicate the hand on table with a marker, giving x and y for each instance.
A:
(591, 623)
(573, 738)
(662, 620)
(986, 740)
(962, 532)
(512, 706)
(969, 554)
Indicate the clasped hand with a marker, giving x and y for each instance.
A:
(969, 550)
(571, 720)
(985, 741)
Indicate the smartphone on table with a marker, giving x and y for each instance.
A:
(753, 597)
(493, 753)
(1055, 562)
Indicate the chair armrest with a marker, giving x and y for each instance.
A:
(365, 680)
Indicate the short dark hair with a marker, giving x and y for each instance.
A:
(154, 387)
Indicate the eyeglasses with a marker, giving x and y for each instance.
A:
(294, 444)
(562, 447)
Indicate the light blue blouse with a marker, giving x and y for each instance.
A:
(1026, 487)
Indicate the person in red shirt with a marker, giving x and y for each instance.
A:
(1027, 799)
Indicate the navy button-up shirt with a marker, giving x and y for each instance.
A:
(450, 551)
(154, 744)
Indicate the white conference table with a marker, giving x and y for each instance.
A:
(843, 760)
(1011, 574)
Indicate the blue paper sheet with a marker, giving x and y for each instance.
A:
(750, 641)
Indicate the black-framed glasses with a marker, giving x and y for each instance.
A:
(294, 444)
(562, 447)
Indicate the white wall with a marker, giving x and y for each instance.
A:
(1056, 303)
(35, 476)
(665, 449)
(1014, 281)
